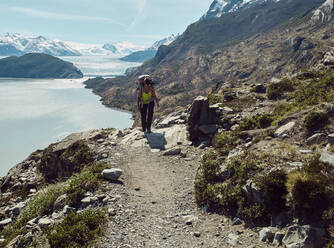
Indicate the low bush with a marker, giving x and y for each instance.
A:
(226, 141)
(276, 90)
(257, 121)
(314, 121)
(311, 190)
(214, 98)
(77, 229)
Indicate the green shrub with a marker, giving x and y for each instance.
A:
(274, 192)
(314, 121)
(311, 189)
(276, 90)
(257, 121)
(79, 185)
(77, 229)
(214, 98)
(226, 141)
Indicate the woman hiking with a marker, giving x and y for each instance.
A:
(145, 103)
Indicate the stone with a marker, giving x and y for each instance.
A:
(232, 239)
(172, 151)
(284, 129)
(327, 157)
(67, 209)
(260, 88)
(189, 219)
(305, 151)
(266, 234)
(331, 138)
(59, 203)
(111, 211)
(224, 172)
(18, 208)
(208, 129)
(5, 222)
(304, 236)
(112, 174)
(316, 139)
(278, 238)
(227, 110)
(44, 222)
(236, 221)
(197, 234)
(85, 202)
(306, 45)
(253, 193)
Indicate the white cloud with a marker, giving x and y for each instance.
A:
(140, 10)
(57, 16)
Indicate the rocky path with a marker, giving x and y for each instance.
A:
(155, 207)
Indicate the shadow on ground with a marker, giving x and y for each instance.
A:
(156, 140)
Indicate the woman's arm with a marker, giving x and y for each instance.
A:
(138, 99)
(155, 97)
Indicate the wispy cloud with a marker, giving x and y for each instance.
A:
(57, 16)
(140, 10)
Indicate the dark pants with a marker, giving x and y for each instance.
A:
(146, 118)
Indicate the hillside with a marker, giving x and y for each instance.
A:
(252, 45)
(36, 65)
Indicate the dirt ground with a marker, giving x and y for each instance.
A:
(154, 206)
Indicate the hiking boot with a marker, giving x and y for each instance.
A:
(149, 131)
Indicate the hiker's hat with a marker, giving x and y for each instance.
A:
(141, 78)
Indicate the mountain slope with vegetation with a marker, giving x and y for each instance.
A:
(37, 65)
(255, 44)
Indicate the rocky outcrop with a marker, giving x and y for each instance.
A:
(202, 121)
(324, 13)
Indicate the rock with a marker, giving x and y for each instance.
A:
(111, 211)
(295, 42)
(331, 138)
(67, 209)
(2, 241)
(232, 239)
(227, 110)
(59, 203)
(316, 139)
(285, 129)
(304, 236)
(305, 151)
(85, 202)
(260, 88)
(253, 193)
(5, 222)
(44, 222)
(112, 174)
(327, 157)
(236, 221)
(208, 129)
(197, 234)
(230, 96)
(200, 114)
(278, 238)
(266, 234)
(306, 45)
(18, 208)
(189, 219)
(204, 144)
(156, 140)
(224, 172)
(172, 151)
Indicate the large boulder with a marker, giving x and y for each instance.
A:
(201, 120)
(304, 236)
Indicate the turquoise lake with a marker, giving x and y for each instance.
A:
(35, 113)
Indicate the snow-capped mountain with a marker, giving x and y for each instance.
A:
(166, 41)
(220, 7)
(20, 44)
(148, 53)
(17, 44)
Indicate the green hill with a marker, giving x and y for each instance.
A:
(37, 65)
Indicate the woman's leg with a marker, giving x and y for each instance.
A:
(150, 116)
(143, 113)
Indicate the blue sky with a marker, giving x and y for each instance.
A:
(100, 21)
